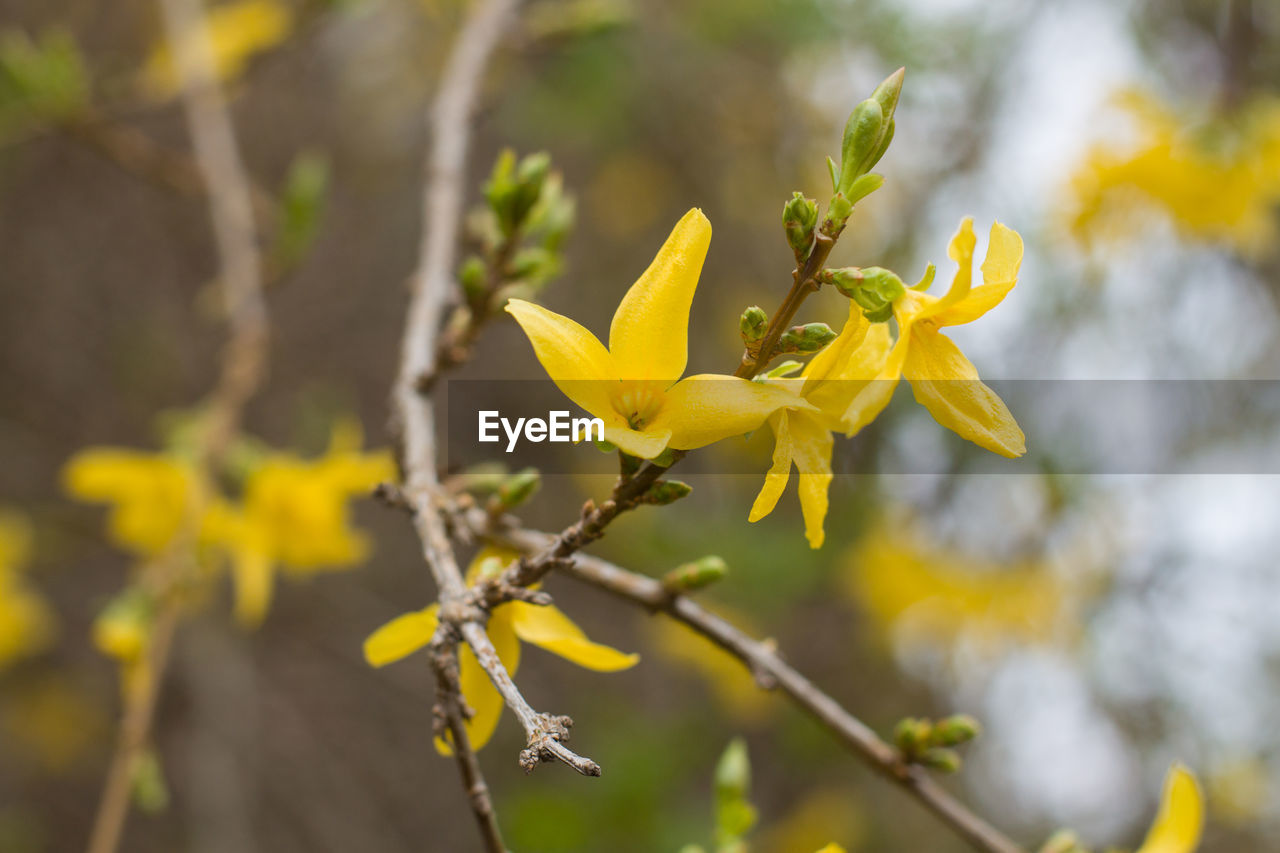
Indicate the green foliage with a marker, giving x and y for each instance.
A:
(929, 743)
(735, 815)
(41, 81)
(302, 204)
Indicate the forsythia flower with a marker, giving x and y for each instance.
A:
(851, 381)
(939, 596)
(1180, 821)
(150, 494)
(831, 381)
(634, 386)
(295, 513)
(509, 623)
(26, 624)
(236, 32)
(1220, 181)
(942, 379)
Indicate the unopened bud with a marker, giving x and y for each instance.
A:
(471, 275)
(838, 210)
(150, 791)
(666, 492)
(955, 730)
(941, 759)
(696, 575)
(911, 735)
(809, 338)
(752, 324)
(888, 92)
(862, 134)
(799, 218)
(123, 628)
(519, 487)
(733, 772)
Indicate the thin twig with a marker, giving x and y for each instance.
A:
(764, 661)
(242, 366)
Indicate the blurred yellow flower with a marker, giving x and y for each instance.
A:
(731, 683)
(634, 386)
(942, 379)
(295, 513)
(1180, 821)
(830, 382)
(237, 31)
(150, 494)
(1218, 181)
(26, 623)
(509, 624)
(936, 596)
(55, 721)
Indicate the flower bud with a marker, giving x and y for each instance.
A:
(696, 575)
(752, 324)
(518, 488)
(733, 772)
(911, 736)
(123, 628)
(941, 759)
(862, 135)
(809, 338)
(955, 730)
(471, 276)
(838, 210)
(799, 217)
(666, 492)
(888, 92)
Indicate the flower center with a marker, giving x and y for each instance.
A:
(638, 402)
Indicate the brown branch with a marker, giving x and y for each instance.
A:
(242, 366)
(764, 661)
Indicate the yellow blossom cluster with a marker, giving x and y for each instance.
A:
(1216, 180)
(236, 32)
(26, 623)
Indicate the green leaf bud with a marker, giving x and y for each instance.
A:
(472, 276)
(518, 488)
(862, 134)
(799, 218)
(941, 759)
(666, 492)
(955, 730)
(912, 736)
(752, 324)
(888, 92)
(733, 771)
(806, 339)
(695, 575)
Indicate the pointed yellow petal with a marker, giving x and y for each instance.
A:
(401, 637)
(550, 629)
(1178, 824)
(478, 691)
(812, 443)
(999, 274)
(254, 581)
(776, 480)
(830, 363)
(870, 400)
(649, 336)
(573, 357)
(946, 383)
(856, 369)
(961, 251)
(646, 444)
(706, 408)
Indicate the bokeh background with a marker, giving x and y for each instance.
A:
(1100, 625)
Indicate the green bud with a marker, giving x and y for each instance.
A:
(862, 135)
(806, 339)
(955, 730)
(519, 487)
(799, 218)
(302, 202)
(472, 276)
(484, 478)
(733, 771)
(941, 759)
(696, 575)
(552, 217)
(150, 791)
(501, 188)
(838, 210)
(530, 176)
(666, 492)
(752, 324)
(534, 263)
(888, 92)
(882, 282)
(911, 735)
(864, 186)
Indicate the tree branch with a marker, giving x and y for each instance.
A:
(764, 661)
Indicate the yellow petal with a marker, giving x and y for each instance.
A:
(856, 369)
(254, 578)
(999, 275)
(776, 480)
(401, 637)
(649, 335)
(573, 357)
(871, 399)
(961, 251)
(812, 445)
(646, 443)
(548, 628)
(946, 383)
(709, 407)
(1179, 822)
(831, 362)
(478, 691)
(832, 848)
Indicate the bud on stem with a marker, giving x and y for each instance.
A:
(694, 576)
(806, 339)
(753, 324)
(799, 218)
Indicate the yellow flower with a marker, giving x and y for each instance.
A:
(634, 386)
(236, 32)
(830, 382)
(296, 514)
(942, 379)
(26, 623)
(510, 623)
(936, 597)
(1217, 181)
(832, 848)
(1179, 822)
(150, 494)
